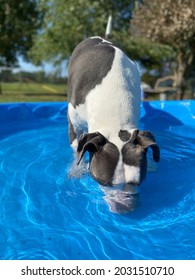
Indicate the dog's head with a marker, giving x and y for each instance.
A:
(111, 164)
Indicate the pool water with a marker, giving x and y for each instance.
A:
(47, 214)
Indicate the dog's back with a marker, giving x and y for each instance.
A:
(90, 62)
(107, 83)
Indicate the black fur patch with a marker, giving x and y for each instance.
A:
(90, 62)
(71, 132)
(104, 163)
(124, 135)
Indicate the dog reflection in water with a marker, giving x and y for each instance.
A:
(124, 198)
(121, 199)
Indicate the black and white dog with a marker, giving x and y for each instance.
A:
(103, 112)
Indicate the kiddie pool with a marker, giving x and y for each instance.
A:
(45, 214)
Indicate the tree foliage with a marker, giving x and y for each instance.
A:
(66, 23)
(151, 55)
(19, 21)
(171, 23)
(168, 22)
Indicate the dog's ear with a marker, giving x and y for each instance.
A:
(90, 142)
(146, 139)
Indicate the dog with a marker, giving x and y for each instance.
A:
(104, 96)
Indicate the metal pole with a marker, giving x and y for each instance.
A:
(109, 27)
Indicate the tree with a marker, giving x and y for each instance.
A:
(66, 23)
(171, 23)
(151, 55)
(19, 21)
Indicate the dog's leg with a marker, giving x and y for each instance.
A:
(72, 135)
(75, 170)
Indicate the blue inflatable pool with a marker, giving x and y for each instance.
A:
(46, 214)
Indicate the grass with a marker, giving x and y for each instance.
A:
(41, 92)
(32, 92)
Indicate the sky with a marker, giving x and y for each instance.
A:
(47, 67)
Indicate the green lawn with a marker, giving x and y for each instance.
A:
(32, 92)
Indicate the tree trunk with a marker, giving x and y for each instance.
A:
(179, 76)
